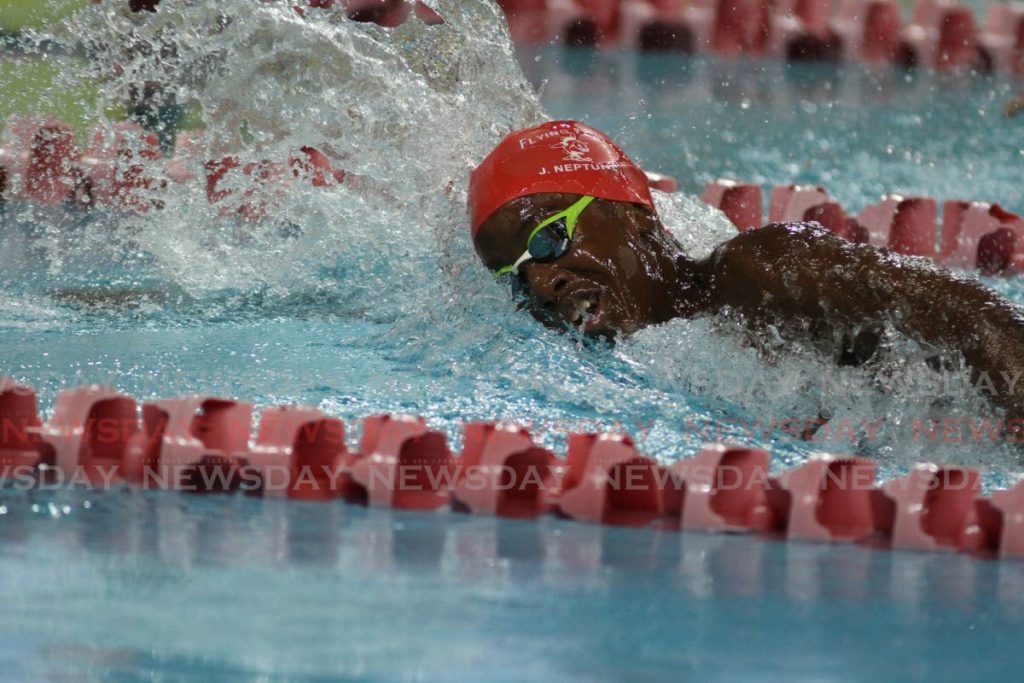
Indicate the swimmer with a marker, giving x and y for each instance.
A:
(566, 218)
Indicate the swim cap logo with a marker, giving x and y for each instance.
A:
(555, 156)
(574, 149)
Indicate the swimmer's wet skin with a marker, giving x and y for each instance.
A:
(621, 270)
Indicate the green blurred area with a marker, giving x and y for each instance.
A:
(29, 83)
(54, 84)
(18, 14)
(30, 86)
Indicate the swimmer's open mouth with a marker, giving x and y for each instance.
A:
(583, 311)
(587, 313)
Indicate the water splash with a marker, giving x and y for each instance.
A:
(407, 112)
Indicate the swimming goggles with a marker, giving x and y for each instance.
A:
(549, 240)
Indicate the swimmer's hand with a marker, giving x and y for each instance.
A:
(111, 297)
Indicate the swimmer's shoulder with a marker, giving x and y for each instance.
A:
(776, 243)
(790, 264)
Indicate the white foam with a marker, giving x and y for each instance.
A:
(409, 111)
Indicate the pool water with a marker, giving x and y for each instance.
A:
(131, 586)
(859, 131)
(357, 306)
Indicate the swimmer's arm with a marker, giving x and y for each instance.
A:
(115, 297)
(799, 271)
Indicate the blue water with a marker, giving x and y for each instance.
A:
(129, 586)
(145, 586)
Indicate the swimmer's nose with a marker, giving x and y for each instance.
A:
(545, 282)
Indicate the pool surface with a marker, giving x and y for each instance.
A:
(131, 586)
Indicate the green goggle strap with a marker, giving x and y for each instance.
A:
(570, 215)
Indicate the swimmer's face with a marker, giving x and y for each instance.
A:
(612, 280)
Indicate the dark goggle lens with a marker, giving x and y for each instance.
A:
(551, 242)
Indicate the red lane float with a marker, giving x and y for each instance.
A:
(661, 182)
(815, 14)
(971, 235)
(188, 147)
(735, 27)
(299, 453)
(740, 202)
(503, 472)
(958, 42)
(725, 489)
(999, 40)
(933, 507)
(656, 27)
(869, 30)
(89, 433)
(266, 182)
(940, 34)
(904, 224)
(607, 481)
(401, 463)
(699, 17)
(315, 167)
(19, 427)
(39, 158)
(1003, 38)
(982, 235)
(202, 444)
(122, 168)
(116, 169)
(802, 30)
(119, 170)
(832, 216)
(798, 203)
(195, 443)
(828, 498)
(791, 202)
(528, 21)
(1001, 521)
(582, 23)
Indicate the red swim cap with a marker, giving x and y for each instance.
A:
(558, 156)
